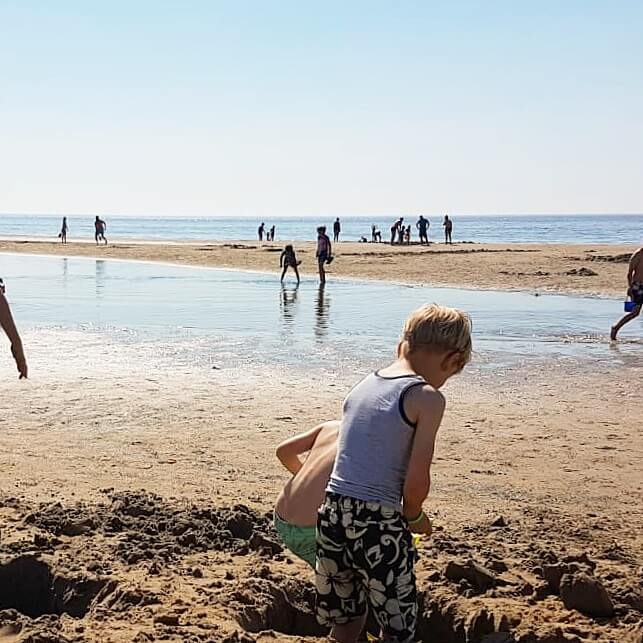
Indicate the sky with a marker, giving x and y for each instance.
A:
(299, 108)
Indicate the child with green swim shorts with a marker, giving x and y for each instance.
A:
(297, 504)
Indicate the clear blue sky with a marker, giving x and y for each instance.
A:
(298, 108)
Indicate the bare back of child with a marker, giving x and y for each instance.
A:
(301, 497)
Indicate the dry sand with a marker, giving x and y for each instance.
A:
(535, 475)
(585, 269)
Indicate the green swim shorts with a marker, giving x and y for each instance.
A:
(302, 541)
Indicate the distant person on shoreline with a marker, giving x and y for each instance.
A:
(337, 228)
(407, 235)
(376, 235)
(260, 231)
(423, 229)
(99, 230)
(324, 252)
(448, 229)
(271, 233)
(297, 504)
(288, 259)
(634, 292)
(9, 327)
(62, 235)
(397, 230)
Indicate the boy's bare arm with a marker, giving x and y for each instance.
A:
(426, 407)
(289, 451)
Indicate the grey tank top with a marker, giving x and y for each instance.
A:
(375, 441)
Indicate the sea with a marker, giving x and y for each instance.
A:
(554, 229)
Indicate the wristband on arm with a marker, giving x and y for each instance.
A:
(418, 519)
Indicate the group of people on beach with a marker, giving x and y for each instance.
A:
(401, 233)
(99, 231)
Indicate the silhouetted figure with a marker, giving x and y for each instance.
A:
(288, 259)
(423, 229)
(448, 229)
(99, 230)
(260, 231)
(337, 228)
(324, 252)
(376, 235)
(62, 235)
(271, 233)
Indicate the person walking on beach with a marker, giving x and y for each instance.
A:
(9, 327)
(423, 229)
(99, 230)
(337, 228)
(323, 253)
(634, 291)
(448, 229)
(271, 233)
(380, 479)
(296, 508)
(288, 259)
(260, 231)
(62, 235)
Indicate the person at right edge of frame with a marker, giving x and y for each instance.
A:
(634, 292)
(365, 552)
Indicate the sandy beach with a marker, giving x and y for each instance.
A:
(584, 269)
(136, 501)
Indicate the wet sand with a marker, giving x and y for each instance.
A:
(537, 477)
(584, 269)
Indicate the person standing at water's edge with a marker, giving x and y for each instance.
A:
(9, 327)
(448, 229)
(99, 230)
(288, 259)
(260, 230)
(324, 252)
(337, 228)
(634, 291)
(423, 229)
(63, 231)
(380, 479)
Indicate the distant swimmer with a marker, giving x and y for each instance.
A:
(62, 235)
(260, 231)
(448, 229)
(634, 291)
(288, 259)
(99, 230)
(423, 228)
(324, 252)
(9, 327)
(337, 228)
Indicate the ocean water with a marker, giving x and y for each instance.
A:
(489, 229)
(158, 315)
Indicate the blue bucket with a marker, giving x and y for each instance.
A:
(629, 306)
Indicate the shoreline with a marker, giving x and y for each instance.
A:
(580, 269)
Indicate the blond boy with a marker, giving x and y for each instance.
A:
(380, 479)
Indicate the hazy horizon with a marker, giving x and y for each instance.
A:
(264, 110)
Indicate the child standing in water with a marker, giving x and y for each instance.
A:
(288, 259)
(381, 478)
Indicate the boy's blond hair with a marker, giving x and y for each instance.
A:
(433, 326)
